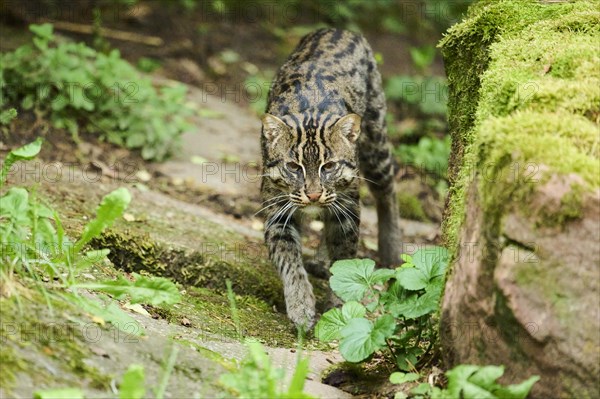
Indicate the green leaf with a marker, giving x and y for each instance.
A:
(380, 276)
(27, 152)
(14, 212)
(112, 206)
(423, 389)
(109, 312)
(474, 382)
(432, 261)
(406, 258)
(352, 310)
(59, 393)
(351, 278)
(401, 378)
(516, 391)
(360, 338)
(486, 376)
(298, 379)
(329, 326)
(150, 290)
(132, 386)
(44, 30)
(412, 278)
(7, 115)
(418, 305)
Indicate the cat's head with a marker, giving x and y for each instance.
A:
(311, 160)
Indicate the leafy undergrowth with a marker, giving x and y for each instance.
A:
(390, 317)
(75, 86)
(378, 314)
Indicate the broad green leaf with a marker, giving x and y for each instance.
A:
(352, 310)
(401, 378)
(27, 152)
(412, 278)
(516, 391)
(468, 390)
(432, 261)
(329, 326)
(417, 305)
(380, 276)
(406, 359)
(132, 386)
(59, 393)
(351, 278)
(150, 290)
(360, 338)
(486, 376)
(112, 206)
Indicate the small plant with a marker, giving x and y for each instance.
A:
(430, 155)
(75, 85)
(386, 310)
(256, 376)
(467, 382)
(34, 243)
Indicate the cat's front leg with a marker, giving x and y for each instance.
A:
(285, 251)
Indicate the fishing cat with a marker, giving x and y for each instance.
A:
(325, 121)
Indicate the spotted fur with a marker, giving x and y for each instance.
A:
(324, 124)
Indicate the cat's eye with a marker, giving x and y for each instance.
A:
(328, 167)
(293, 166)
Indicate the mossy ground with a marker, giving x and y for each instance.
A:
(157, 244)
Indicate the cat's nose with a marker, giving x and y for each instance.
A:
(314, 197)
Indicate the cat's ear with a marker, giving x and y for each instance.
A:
(349, 126)
(273, 126)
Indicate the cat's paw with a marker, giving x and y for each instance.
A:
(301, 308)
(304, 318)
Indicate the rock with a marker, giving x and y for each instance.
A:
(523, 218)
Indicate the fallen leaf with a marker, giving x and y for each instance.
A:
(137, 308)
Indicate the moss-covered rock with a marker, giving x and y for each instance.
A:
(524, 204)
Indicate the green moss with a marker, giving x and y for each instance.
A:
(42, 334)
(11, 365)
(209, 267)
(410, 207)
(523, 94)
